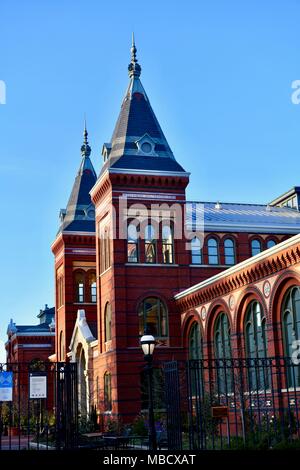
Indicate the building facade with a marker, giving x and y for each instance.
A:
(27, 343)
(133, 254)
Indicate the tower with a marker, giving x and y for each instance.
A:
(139, 198)
(75, 256)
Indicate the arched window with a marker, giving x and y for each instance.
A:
(291, 331)
(60, 291)
(167, 244)
(61, 347)
(106, 249)
(153, 317)
(222, 346)
(196, 251)
(104, 239)
(150, 244)
(271, 243)
(107, 321)
(79, 286)
(195, 342)
(256, 346)
(222, 337)
(93, 287)
(255, 247)
(229, 251)
(107, 392)
(213, 251)
(132, 243)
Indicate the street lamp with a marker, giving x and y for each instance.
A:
(148, 345)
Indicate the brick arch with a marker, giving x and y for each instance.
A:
(256, 237)
(76, 272)
(191, 317)
(152, 293)
(217, 307)
(230, 236)
(247, 296)
(282, 284)
(286, 280)
(209, 235)
(273, 238)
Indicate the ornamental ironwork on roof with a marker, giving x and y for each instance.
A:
(79, 215)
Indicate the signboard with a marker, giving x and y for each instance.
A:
(219, 411)
(37, 385)
(6, 386)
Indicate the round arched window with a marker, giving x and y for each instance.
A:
(153, 317)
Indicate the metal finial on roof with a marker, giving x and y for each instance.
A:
(134, 69)
(85, 148)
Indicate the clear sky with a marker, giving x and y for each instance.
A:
(218, 74)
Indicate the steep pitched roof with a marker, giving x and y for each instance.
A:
(79, 215)
(138, 142)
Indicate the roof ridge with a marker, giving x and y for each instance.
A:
(236, 204)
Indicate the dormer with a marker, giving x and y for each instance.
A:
(289, 199)
(106, 151)
(146, 146)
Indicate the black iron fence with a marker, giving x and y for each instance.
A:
(38, 406)
(233, 403)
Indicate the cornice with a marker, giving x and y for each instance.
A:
(277, 258)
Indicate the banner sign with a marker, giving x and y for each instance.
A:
(37, 385)
(6, 386)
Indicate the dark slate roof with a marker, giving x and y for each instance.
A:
(136, 125)
(233, 217)
(80, 213)
(33, 328)
(81, 226)
(46, 324)
(136, 162)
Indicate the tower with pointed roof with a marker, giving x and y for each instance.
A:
(134, 275)
(75, 255)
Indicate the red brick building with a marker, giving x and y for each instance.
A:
(129, 248)
(28, 348)
(250, 310)
(27, 343)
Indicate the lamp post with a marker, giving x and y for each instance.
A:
(148, 345)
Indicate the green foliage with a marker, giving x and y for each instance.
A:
(139, 427)
(268, 432)
(113, 425)
(288, 445)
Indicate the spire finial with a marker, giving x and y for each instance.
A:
(134, 69)
(85, 148)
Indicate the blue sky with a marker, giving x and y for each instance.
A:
(218, 74)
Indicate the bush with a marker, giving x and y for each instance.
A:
(139, 427)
